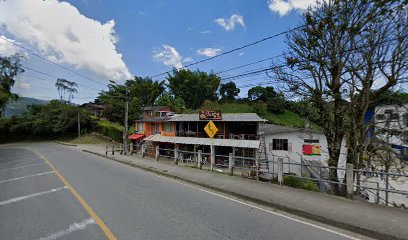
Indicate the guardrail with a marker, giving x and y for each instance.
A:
(377, 185)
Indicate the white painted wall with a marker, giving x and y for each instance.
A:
(295, 150)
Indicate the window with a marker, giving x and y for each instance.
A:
(394, 116)
(280, 144)
(140, 126)
(380, 117)
(311, 141)
(168, 127)
(405, 119)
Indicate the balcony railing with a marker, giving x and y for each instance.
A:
(221, 135)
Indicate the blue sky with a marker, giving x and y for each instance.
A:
(105, 40)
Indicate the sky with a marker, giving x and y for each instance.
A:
(94, 41)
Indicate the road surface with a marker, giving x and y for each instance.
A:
(49, 191)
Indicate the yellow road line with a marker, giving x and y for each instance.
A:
(84, 204)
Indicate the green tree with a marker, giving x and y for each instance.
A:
(66, 89)
(10, 67)
(275, 101)
(257, 93)
(142, 92)
(228, 92)
(167, 99)
(193, 87)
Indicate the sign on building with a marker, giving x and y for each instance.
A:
(210, 115)
(210, 129)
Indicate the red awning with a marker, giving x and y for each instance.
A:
(136, 136)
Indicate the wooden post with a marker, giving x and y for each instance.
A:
(231, 164)
(280, 170)
(157, 153)
(120, 149)
(212, 157)
(257, 164)
(199, 160)
(106, 152)
(176, 154)
(143, 150)
(113, 149)
(131, 148)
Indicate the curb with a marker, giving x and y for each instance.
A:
(66, 144)
(342, 225)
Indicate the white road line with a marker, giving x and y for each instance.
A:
(72, 228)
(259, 208)
(34, 175)
(17, 199)
(24, 166)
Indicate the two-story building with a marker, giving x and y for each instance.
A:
(236, 133)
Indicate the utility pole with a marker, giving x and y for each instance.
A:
(79, 124)
(126, 123)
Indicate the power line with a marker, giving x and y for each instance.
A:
(233, 50)
(45, 59)
(50, 75)
(249, 64)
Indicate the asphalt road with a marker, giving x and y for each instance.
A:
(36, 204)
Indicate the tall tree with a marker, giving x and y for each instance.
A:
(66, 89)
(275, 101)
(228, 92)
(142, 91)
(10, 67)
(193, 87)
(342, 52)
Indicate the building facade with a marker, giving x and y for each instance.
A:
(235, 133)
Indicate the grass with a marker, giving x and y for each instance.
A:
(287, 118)
(87, 139)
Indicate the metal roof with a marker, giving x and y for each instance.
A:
(271, 129)
(154, 108)
(205, 141)
(226, 117)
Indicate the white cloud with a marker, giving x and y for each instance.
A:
(61, 33)
(241, 53)
(168, 55)
(142, 13)
(206, 32)
(229, 24)
(283, 7)
(24, 85)
(6, 47)
(188, 59)
(209, 52)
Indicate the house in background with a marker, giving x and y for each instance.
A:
(96, 110)
(391, 127)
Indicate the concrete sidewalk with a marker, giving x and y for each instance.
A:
(365, 218)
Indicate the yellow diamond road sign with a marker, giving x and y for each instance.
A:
(210, 129)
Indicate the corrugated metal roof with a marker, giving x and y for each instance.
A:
(205, 141)
(226, 117)
(271, 128)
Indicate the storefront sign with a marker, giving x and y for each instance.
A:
(210, 115)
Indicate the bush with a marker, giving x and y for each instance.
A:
(111, 130)
(300, 183)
